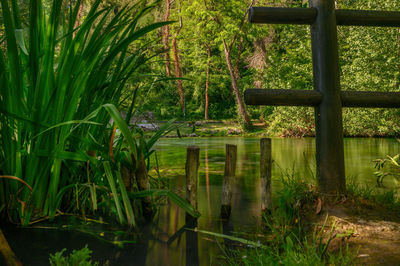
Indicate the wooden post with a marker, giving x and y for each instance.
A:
(265, 174)
(328, 115)
(192, 167)
(327, 98)
(230, 169)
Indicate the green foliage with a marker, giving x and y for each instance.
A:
(273, 57)
(387, 198)
(292, 198)
(288, 243)
(80, 257)
(392, 169)
(57, 81)
(292, 251)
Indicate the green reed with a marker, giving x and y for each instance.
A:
(59, 84)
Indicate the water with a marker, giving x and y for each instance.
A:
(166, 242)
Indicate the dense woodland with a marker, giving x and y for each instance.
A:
(200, 65)
(216, 52)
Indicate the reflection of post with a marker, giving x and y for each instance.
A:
(192, 167)
(207, 185)
(230, 169)
(227, 229)
(265, 174)
(192, 253)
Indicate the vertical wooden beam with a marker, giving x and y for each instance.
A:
(328, 115)
(229, 174)
(265, 174)
(192, 167)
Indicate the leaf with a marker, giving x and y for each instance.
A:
(110, 178)
(233, 238)
(319, 206)
(17, 179)
(19, 35)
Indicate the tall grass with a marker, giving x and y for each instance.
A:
(58, 84)
(287, 242)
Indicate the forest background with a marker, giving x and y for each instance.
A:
(211, 54)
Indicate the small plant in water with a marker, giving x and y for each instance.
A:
(393, 168)
(81, 257)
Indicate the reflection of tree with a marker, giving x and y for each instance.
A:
(207, 185)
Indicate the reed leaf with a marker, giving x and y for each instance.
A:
(117, 200)
(125, 199)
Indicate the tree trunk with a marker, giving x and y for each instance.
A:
(238, 96)
(178, 70)
(207, 82)
(165, 38)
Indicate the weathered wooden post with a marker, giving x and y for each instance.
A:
(229, 174)
(192, 167)
(265, 174)
(326, 98)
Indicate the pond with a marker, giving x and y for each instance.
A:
(166, 242)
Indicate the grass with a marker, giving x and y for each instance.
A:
(389, 199)
(215, 129)
(290, 239)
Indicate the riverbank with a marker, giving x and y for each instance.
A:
(222, 128)
(362, 228)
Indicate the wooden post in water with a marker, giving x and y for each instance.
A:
(265, 174)
(192, 167)
(229, 174)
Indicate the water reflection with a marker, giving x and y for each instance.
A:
(168, 242)
(289, 155)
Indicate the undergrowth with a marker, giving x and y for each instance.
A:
(287, 241)
(81, 257)
(364, 194)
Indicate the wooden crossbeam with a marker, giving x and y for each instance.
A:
(314, 98)
(278, 15)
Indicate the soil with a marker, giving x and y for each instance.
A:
(371, 232)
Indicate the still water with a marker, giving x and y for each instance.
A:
(166, 242)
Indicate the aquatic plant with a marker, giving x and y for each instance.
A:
(79, 257)
(392, 168)
(60, 79)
